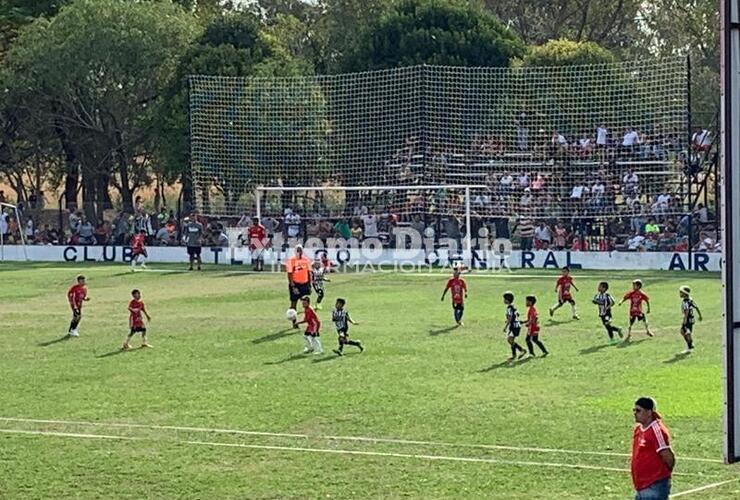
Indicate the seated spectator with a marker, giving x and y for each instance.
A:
(222, 240)
(85, 232)
(579, 244)
(542, 237)
(701, 140)
(101, 234)
(370, 225)
(312, 227)
(341, 228)
(630, 183)
(523, 180)
(561, 236)
(636, 243)
(651, 227)
(162, 238)
(292, 223)
(538, 183)
(325, 229)
(30, 234)
(356, 230)
(526, 199)
(74, 220)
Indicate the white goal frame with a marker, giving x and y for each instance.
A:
(467, 251)
(21, 230)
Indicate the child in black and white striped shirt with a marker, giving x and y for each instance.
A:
(342, 320)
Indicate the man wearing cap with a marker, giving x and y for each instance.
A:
(298, 268)
(652, 458)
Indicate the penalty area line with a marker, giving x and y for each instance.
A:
(364, 439)
(703, 488)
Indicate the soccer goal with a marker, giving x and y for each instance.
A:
(14, 213)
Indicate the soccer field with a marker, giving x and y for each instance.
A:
(224, 406)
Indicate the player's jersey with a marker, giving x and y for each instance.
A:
(257, 236)
(688, 307)
(192, 233)
(137, 242)
(512, 317)
(533, 325)
(563, 285)
(340, 317)
(636, 298)
(317, 278)
(312, 321)
(605, 302)
(136, 310)
(299, 269)
(457, 288)
(76, 295)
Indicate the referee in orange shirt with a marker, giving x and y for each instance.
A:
(298, 268)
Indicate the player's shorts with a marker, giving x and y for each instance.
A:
(533, 333)
(318, 288)
(514, 331)
(257, 253)
(636, 317)
(138, 329)
(194, 251)
(566, 298)
(458, 307)
(303, 289)
(136, 253)
(77, 312)
(606, 319)
(312, 334)
(343, 335)
(687, 327)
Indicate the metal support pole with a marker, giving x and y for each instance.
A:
(468, 239)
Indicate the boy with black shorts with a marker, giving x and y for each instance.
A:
(687, 326)
(136, 309)
(318, 277)
(458, 289)
(192, 234)
(513, 327)
(341, 319)
(533, 327)
(76, 295)
(605, 301)
(636, 297)
(562, 288)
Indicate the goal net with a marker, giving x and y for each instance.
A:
(599, 141)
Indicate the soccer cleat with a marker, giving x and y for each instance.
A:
(125, 347)
(143, 266)
(307, 350)
(338, 352)
(149, 346)
(510, 360)
(460, 323)
(361, 348)
(613, 341)
(545, 354)
(575, 316)
(74, 333)
(552, 311)
(317, 353)
(650, 334)
(319, 307)
(619, 332)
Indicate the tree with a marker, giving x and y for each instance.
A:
(567, 53)
(92, 74)
(437, 32)
(610, 23)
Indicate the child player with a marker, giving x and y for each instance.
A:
(636, 298)
(512, 327)
(605, 301)
(533, 327)
(311, 335)
(687, 326)
(76, 295)
(562, 288)
(138, 250)
(136, 309)
(318, 277)
(458, 289)
(341, 319)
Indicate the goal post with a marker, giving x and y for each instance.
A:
(21, 230)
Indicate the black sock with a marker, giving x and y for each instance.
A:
(540, 345)
(610, 332)
(530, 346)
(513, 350)
(353, 342)
(518, 347)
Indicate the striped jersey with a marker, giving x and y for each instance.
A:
(688, 305)
(605, 302)
(512, 317)
(341, 319)
(317, 278)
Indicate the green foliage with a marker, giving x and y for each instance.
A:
(567, 53)
(436, 32)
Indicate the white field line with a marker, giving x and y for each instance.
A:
(702, 488)
(69, 434)
(339, 438)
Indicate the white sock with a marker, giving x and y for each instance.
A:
(307, 341)
(317, 345)
(574, 309)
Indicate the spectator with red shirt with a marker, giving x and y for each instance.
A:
(258, 242)
(76, 295)
(138, 250)
(652, 457)
(311, 336)
(458, 289)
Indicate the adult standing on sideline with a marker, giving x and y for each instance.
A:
(192, 234)
(298, 268)
(652, 457)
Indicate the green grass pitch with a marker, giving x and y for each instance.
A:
(225, 407)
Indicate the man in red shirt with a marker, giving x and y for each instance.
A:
(76, 295)
(136, 309)
(533, 327)
(258, 242)
(311, 336)
(562, 288)
(138, 250)
(458, 290)
(652, 458)
(636, 298)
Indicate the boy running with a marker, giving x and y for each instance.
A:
(605, 301)
(562, 288)
(533, 327)
(311, 335)
(636, 298)
(76, 295)
(318, 277)
(512, 327)
(138, 250)
(458, 289)
(341, 319)
(687, 326)
(136, 309)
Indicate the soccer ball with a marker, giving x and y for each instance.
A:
(291, 314)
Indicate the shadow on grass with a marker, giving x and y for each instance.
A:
(442, 330)
(622, 345)
(276, 336)
(328, 357)
(556, 322)
(292, 357)
(118, 351)
(55, 341)
(594, 349)
(678, 357)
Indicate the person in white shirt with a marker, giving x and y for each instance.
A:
(507, 181)
(523, 180)
(292, 223)
(701, 140)
(370, 223)
(542, 237)
(601, 135)
(578, 192)
(636, 242)
(631, 141)
(630, 182)
(598, 189)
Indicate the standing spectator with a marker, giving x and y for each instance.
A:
(74, 220)
(652, 457)
(244, 220)
(525, 228)
(523, 180)
(143, 222)
(631, 183)
(292, 223)
(542, 237)
(630, 141)
(701, 140)
(601, 136)
(370, 223)
(121, 229)
(418, 225)
(85, 232)
(522, 132)
(29, 232)
(561, 236)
